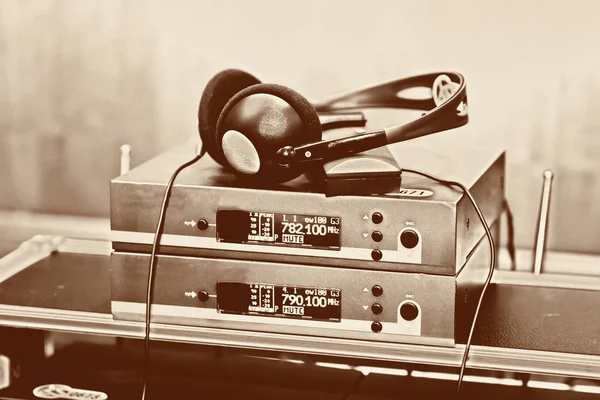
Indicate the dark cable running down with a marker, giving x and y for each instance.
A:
(492, 263)
(151, 267)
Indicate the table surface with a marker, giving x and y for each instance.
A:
(186, 371)
(522, 327)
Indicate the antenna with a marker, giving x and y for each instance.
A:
(125, 159)
(542, 226)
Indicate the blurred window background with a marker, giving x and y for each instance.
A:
(80, 78)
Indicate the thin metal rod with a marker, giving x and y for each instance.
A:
(125, 158)
(542, 226)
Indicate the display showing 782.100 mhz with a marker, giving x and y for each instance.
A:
(277, 228)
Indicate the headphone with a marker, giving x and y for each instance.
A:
(270, 132)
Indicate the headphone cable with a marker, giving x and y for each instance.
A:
(491, 270)
(151, 267)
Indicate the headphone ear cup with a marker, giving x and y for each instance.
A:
(217, 93)
(257, 122)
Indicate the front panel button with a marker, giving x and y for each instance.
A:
(377, 236)
(203, 295)
(377, 290)
(376, 254)
(202, 224)
(409, 239)
(376, 326)
(377, 308)
(409, 311)
(377, 218)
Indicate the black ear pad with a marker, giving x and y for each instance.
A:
(218, 91)
(264, 118)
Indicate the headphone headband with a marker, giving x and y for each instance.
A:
(386, 95)
(441, 114)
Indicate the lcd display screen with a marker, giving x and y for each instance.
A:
(280, 301)
(319, 231)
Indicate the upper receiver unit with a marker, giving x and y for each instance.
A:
(425, 227)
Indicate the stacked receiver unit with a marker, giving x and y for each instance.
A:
(403, 267)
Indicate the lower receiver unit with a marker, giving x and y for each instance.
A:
(328, 302)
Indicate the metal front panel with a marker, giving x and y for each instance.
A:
(434, 221)
(177, 278)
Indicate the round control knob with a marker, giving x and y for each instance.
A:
(409, 239)
(377, 236)
(202, 224)
(377, 308)
(409, 311)
(376, 254)
(377, 290)
(203, 295)
(376, 326)
(377, 218)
